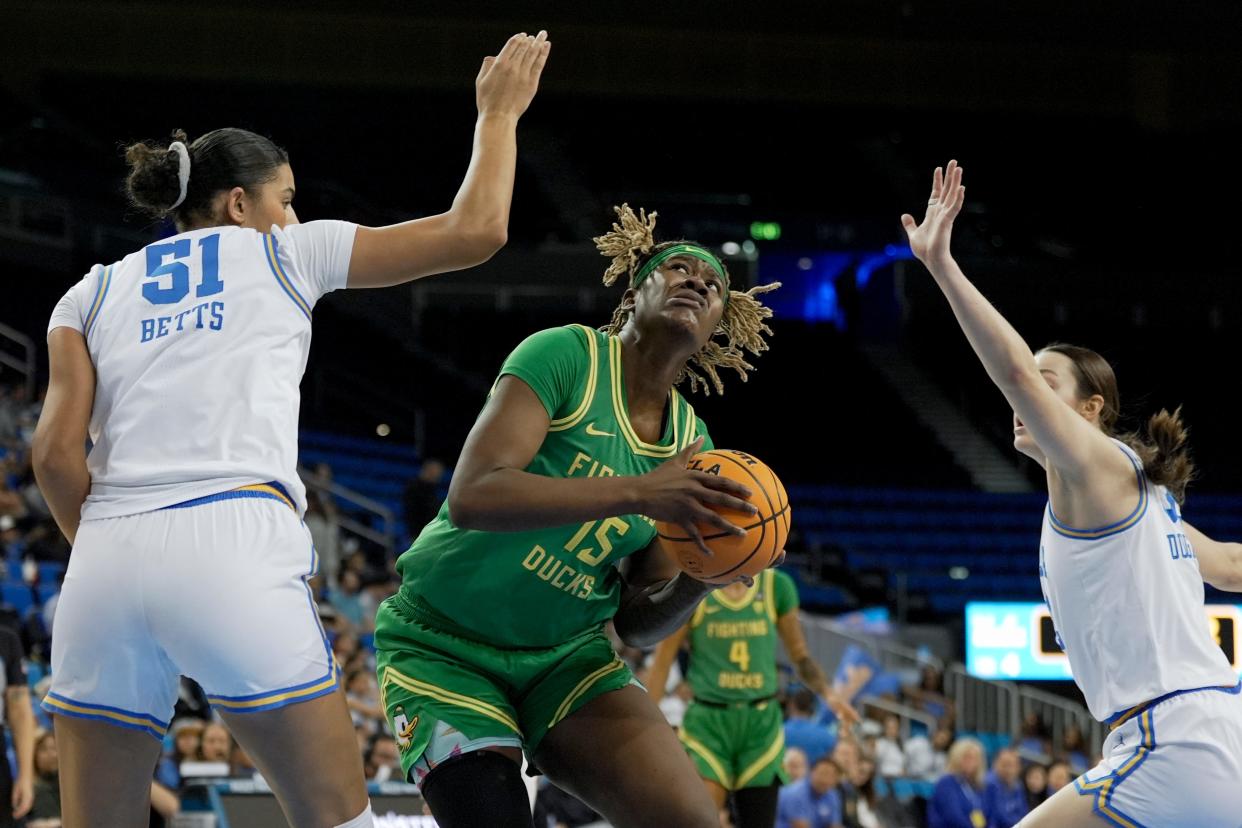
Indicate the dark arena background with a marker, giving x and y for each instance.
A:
(1101, 143)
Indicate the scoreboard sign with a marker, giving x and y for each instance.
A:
(1018, 640)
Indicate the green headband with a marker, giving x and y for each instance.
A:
(683, 250)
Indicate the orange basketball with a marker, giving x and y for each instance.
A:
(734, 555)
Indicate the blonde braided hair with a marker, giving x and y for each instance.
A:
(743, 323)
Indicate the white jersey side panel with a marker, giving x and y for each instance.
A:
(1127, 601)
(199, 342)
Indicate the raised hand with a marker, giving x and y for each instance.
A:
(929, 241)
(507, 82)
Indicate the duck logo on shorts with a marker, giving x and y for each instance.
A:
(403, 728)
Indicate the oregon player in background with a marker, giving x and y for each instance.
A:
(733, 729)
(494, 644)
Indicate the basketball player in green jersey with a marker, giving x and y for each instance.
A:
(494, 645)
(733, 729)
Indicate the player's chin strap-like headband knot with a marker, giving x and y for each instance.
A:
(183, 170)
(683, 250)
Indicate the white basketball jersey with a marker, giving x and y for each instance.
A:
(199, 342)
(1127, 601)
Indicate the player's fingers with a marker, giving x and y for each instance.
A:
(723, 484)
(728, 502)
(541, 60)
(488, 62)
(683, 457)
(511, 46)
(695, 535)
(533, 47)
(719, 521)
(937, 184)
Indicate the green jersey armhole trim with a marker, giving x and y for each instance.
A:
(571, 420)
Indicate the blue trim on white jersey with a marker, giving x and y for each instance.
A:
(1232, 691)
(232, 494)
(272, 250)
(1113, 528)
(101, 294)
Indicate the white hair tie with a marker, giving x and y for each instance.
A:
(183, 170)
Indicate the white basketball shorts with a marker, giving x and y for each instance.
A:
(214, 589)
(1177, 763)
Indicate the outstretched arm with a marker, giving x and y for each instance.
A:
(790, 630)
(476, 226)
(1074, 449)
(1220, 563)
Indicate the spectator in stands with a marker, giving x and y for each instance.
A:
(346, 596)
(1004, 797)
(1034, 745)
(44, 542)
(10, 537)
(795, 763)
(927, 758)
(861, 808)
(421, 499)
(377, 587)
(1035, 781)
(216, 745)
(1059, 776)
(847, 753)
(890, 759)
(322, 521)
(47, 779)
(1073, 751)
(928, 695)
(800, 731)
(187, 734)
(957, 801)
(382, 759)
(362, 697)
(815, 802)
(165, 804)
(18, 714)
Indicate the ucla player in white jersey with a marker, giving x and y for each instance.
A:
(181, 364)
(1121, 570)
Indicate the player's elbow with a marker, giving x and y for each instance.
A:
(479, 237)
(487, 240)
(51, 454)
(632, 636)
(465, 510)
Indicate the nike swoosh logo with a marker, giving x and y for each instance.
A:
(710, 609)
(595, 432)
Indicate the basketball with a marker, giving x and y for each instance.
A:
(734, 555)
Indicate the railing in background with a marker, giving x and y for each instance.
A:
(982, 706)
(385, 537)
(904, 713)
(25, 365)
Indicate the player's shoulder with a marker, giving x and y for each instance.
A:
(566, 338)
(783, 580)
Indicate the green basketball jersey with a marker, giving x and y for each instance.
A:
(540, 588)
(733, 644)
